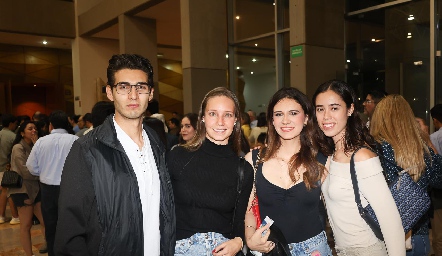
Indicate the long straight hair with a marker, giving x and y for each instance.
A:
(393, 121)
(234, 139)
(306, 156)
(356, 133)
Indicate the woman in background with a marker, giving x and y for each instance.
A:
(27, 198)
(204, 174)
(402, 143)
(188, 127)
(288, 178)
(261, 127)
(340, 133)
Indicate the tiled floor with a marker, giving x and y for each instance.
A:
(10, 239)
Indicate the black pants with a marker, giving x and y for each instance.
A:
(49, 209)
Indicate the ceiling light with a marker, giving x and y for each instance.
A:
(35, 85)
(411, 17)
(237, 17)
(237, 67)
(256, 44)
(160, 55)
(45, 42)
(373, 40)
(227, 56)
(348, 61)
(253, 60)
(273, 3)
(251, 72)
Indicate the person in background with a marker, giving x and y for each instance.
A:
(36, 116)
(73, 120)
(46, 160)
(204, 173)
(86, 120)
(115, 195)
(100, 111)
(288, 178)
(42, 125)
(28, 197)
(395, 128)
(188, 127)
(261, 127)
(245, 126)
(174, 126)
(372, 99)
(253, 121)
(340, 133)
(436, 194)
(7, 137)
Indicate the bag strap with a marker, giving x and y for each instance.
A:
(354, 181)
(241, 167)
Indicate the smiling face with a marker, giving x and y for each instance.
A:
(289, 119)
(219, 119)
(332, 114)
(133, 105)
(187, 130)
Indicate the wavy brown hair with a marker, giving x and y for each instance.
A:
(234, 139)
(356, 133)
(306, 156)
(393, 122)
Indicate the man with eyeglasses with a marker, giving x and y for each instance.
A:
(372, 99)
(115, 196)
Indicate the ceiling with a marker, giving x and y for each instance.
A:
(166, 14)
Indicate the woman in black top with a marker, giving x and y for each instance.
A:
(288, 178)
(204, 173)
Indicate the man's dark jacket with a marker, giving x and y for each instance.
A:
(99, 206)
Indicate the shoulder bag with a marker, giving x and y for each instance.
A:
(11, 179)
(411, 200)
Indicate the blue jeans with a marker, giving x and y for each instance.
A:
(420, 244)
(315, 246)
(200, 244)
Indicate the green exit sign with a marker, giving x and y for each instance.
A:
(297, 51)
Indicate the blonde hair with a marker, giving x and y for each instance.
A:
(393, 121)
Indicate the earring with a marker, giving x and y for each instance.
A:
(202, 120)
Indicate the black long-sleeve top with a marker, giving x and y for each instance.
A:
(205, 188)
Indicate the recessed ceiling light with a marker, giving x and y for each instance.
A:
(45, 42)
(373, 40)
(256, 44)
(348, 61)
(35, 85)
(237, 17)
(251, 72)
(227, 56)
(237, 67)
(254, 60)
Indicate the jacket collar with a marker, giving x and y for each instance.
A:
(103, 132)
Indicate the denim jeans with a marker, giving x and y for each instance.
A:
(377, 249)
(200, 244)
(315, 246)
(421, 245)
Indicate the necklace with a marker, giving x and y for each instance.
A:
(283, 163)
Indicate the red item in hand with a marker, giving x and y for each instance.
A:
(255, 210)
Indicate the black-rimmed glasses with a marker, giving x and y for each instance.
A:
(125, 88)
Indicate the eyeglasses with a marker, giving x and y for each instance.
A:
(368, 101)
(125, 88)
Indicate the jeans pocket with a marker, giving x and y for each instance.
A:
(182, 247)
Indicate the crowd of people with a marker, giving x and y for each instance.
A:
(122, 180)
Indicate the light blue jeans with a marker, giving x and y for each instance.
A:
(315, 246)
(200, 244)
(420, 244)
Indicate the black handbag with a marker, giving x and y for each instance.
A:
(11, 179)
(411, 200)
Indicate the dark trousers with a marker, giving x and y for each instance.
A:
(49, 209)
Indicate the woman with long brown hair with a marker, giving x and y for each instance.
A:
(401, 143)
(288, 178)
